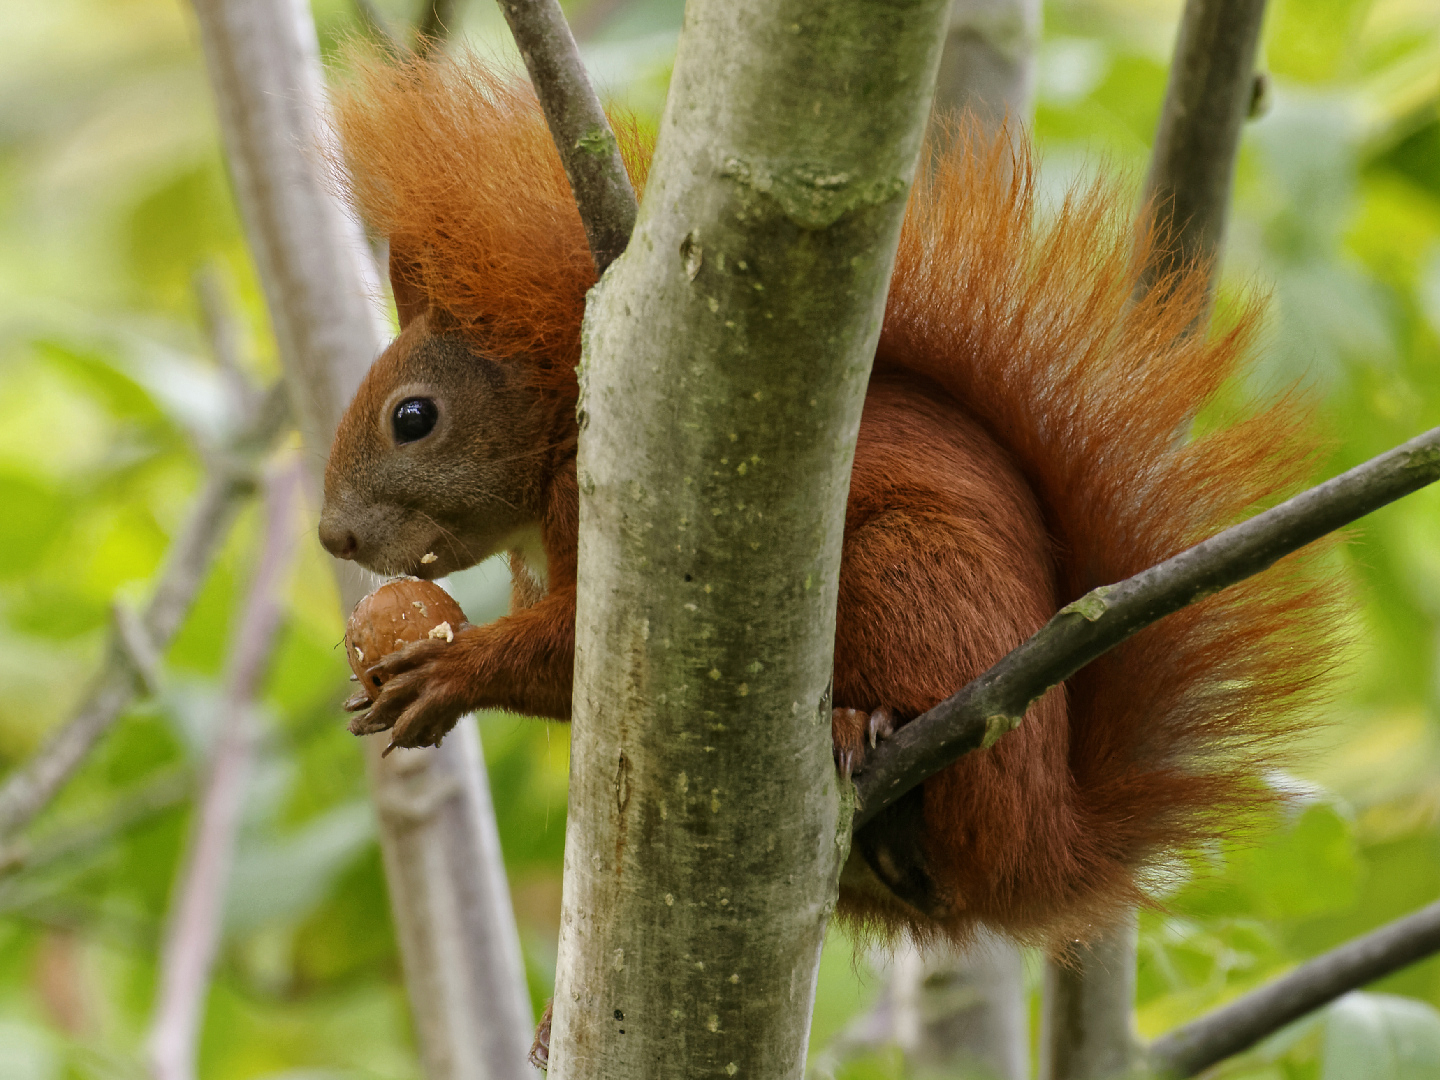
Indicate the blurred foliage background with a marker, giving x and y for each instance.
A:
(113, 195)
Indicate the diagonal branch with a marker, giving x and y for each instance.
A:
(124, 673)
(1238, 1026)
(994, 703)
(95, 834)
(577, 124)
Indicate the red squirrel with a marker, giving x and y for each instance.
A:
(1030, 433)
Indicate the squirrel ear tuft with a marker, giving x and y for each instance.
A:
(407, 285)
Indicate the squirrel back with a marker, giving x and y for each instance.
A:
(1091, 421)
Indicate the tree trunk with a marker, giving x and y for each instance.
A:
(453, 917)
(963, 1011)
(727, 354)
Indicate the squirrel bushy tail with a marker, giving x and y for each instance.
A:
(1111, 411)
(1118, 419)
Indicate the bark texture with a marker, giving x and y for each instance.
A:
(727, 354)
(456, 928)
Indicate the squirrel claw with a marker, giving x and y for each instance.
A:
(364, 725)
(359, 700)
(881, 725)
(418, 696)
(852, 729)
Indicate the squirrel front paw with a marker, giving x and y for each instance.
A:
(855, 731)
(422, 692)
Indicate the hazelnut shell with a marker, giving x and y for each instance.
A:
(393, 616)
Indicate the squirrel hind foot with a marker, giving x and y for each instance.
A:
(854, 732)
(540, 1048)
(893, 847)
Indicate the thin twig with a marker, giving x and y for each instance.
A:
(193, 934)
(1209, 95)
(1101, 619)
(577, 124)
(1244, 1022)
(122, 677)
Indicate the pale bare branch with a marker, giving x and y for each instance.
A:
(197, 916)
(136, 642)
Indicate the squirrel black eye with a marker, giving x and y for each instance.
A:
(414, 418)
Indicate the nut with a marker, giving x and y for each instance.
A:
(395, 615)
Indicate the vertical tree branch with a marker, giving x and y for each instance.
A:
(456, 928)
(963, 1010)
(1192, 167)
(988, 66)
(197, 917)
(582, 134)
(727, 355)
(950, 1011)
(1087, 1025)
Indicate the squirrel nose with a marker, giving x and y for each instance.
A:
(337, 540)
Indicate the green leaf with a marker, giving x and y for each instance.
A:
(282, 880)
(1314, 40)
(1381, 1037)
(30, 518)
(1307, 867)
(122, 396)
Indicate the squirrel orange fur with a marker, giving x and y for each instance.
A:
(1029, 434)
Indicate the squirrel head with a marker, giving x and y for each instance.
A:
(452, 439)
(444, 451)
